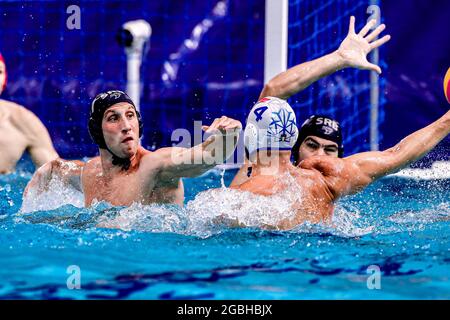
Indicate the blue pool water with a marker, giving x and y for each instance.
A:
(400, 225)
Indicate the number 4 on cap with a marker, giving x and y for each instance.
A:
(259, 112)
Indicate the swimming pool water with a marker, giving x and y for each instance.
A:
(400, 225)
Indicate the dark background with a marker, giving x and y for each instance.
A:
(418, 57)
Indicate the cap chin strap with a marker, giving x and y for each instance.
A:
(124, 163)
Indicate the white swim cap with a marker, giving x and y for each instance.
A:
(272, 125)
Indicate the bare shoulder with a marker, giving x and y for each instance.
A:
(92, 164)
(325, 165)
(90, 168)
(9, 104)
(157, 164)
(26, 121)
(9, 110)
(19, 112)
(71, 167)
(342, 176)
(93, 161)
(332, 173)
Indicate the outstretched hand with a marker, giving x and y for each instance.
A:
(355, 47)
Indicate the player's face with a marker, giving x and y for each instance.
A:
(315, 146)
(2, 75)
(120, 127)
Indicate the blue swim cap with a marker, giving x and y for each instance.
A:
(271, 125)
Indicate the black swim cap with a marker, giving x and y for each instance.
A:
(322, 127)
(101, 103)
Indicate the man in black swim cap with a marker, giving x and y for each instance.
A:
(125, 172)
(100, 105)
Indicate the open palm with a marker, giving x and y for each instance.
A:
(355, 47)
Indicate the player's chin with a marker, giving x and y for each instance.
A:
(128, 148)
(129, 151)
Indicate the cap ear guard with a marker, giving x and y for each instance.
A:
(341, 151)
(141, 125)
(96, 133)
(250, 139)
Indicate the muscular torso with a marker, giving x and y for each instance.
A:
(13, 142)
(140, 185)
(315, 203)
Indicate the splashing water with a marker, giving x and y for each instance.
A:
(148, 218)
(211, 212)
(57, 195)
(214, 211)
(166, 252)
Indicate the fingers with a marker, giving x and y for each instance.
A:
(235, 125)
(351, 29)
(367, 28)
(230, 125)
(375, 33)
(380, 42)
(223, 124)
(373, 67)
(213, 126)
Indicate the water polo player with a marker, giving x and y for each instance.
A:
(321, 180)
(125, 172)
(353, 53)
(21, 131)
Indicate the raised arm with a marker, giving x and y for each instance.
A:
(216, 149)
(350, 175)
(352, 52)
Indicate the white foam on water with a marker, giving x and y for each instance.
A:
(211, 212)
(439, 170)
(58, 194)
(349, 222)
(148, 218)
(440, 213)
(228, 205)
(217, 210)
